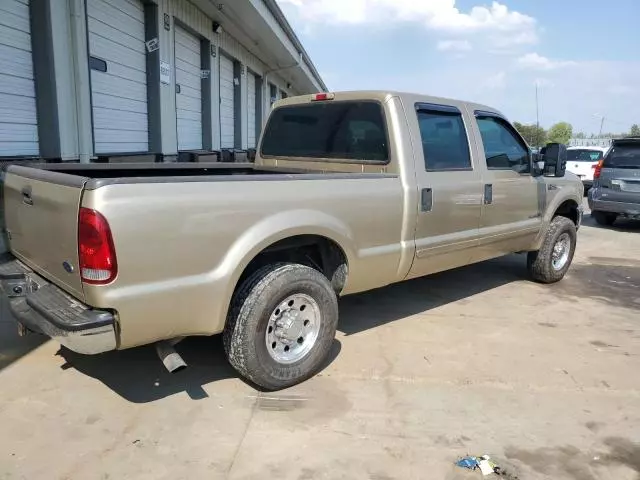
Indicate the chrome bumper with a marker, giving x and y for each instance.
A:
(41, 307)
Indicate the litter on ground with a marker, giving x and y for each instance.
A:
(485, 465)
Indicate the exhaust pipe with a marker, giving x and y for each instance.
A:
(171, 359)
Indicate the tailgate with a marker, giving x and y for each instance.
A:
(41, 216)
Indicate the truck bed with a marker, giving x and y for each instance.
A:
(164, 170)
(174, 224)
(94, 175)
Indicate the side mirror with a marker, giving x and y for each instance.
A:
(555, 159)
(537, 162)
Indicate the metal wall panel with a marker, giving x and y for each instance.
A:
(190, 15)
(119, 95)
(189, 93)
(18, 118)
(251, 110)
(227, 104)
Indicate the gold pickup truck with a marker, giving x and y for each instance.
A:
(349, 192)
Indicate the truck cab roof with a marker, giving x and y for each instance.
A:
(382, 96)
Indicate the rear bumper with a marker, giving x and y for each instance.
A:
(621, 208)
(44, 308)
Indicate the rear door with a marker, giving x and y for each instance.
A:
(41, 215)
(450, 190)
(620, 174)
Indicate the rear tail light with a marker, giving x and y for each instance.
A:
(96, 253)
(597, 168)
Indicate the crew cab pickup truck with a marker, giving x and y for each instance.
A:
(349, 192)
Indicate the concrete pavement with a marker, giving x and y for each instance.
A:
(477, 360)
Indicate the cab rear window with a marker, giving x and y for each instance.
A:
(623, 156)
(352, 131)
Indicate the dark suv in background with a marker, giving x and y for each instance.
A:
(616, 183)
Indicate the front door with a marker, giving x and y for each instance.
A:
(513, 200)
(450, 191)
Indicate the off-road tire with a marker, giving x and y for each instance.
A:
(251, 308)
(604, 218)
(539, 263)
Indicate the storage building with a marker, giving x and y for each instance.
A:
(143, 80)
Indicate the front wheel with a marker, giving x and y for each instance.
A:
(551, 262)
(281, 325)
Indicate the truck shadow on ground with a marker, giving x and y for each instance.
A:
(12, 346)
(379, 307)
(138, 376)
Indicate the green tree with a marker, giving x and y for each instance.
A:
(535, 136)
(635, 130)
(560, 132)
(580, 135)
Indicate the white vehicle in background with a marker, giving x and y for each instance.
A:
(582, 161)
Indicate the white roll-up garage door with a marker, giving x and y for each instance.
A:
(227, 104)
(251, 110)
(118, 75)
(18, 121)
(189, 92)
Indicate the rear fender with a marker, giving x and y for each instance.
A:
(273, 229)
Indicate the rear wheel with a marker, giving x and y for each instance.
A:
(604, 218)
(551, 262)
(281, 325)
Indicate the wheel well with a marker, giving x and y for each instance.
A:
(314, 251)
(569, 209)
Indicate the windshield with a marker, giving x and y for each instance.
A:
(584, 155)
(336, 130)
(623, 156)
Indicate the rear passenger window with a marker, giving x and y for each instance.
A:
(444, 139)
(503, 149)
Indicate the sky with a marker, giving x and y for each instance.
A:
(583, 55)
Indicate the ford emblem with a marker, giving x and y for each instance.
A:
(68, 267)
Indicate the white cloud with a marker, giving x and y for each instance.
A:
(534, 61)
(543, 82)
(453, 46)
(438, 15)
(499, 80)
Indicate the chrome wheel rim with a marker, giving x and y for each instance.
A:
(561, 250)
(293, 328)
